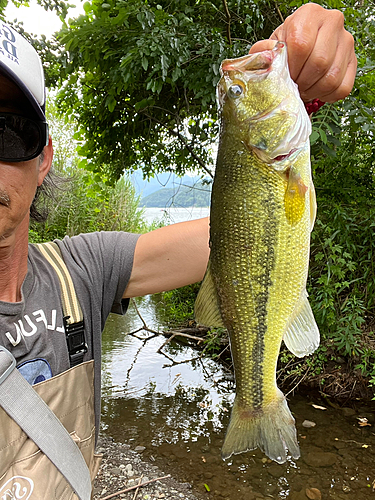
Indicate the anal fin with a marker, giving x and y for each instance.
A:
(206, 310)
(302, 336)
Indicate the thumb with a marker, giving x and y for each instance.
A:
(262, 45)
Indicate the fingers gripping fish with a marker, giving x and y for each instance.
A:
(262, 212)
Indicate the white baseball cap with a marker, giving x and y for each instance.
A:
(20, 62)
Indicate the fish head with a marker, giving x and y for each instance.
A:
(257, 95)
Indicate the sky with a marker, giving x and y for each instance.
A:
(38, 21)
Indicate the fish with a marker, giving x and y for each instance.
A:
(263, 209)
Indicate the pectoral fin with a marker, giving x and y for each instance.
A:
(302, 336)
(294, 199)
(206, 308)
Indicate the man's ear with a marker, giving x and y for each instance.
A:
(46, 161)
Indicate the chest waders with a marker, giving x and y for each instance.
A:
(47, 431)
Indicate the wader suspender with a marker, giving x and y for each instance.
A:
(31, 413)
(73, 317)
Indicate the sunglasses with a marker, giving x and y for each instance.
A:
(21, 138)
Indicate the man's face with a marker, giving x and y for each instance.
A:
(18, 181)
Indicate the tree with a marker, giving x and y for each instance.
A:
(79, 201)
(141, 76)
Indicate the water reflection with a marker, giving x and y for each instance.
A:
(180, 413)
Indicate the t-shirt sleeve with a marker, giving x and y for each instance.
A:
(101, 264)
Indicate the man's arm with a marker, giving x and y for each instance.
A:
(169, 257)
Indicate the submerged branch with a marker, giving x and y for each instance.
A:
(181, 334)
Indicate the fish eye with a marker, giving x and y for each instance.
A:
(235, 91)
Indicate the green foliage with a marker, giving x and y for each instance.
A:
(48, 50)
(141, 76)
(342, 266)
(83, 201)
(74, 211)
(214, 341)
(58, 6)
(176, 307)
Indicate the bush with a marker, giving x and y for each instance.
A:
(75, 209)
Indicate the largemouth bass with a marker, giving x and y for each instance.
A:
(262, 212)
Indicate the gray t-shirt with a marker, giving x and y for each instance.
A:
(100, 265)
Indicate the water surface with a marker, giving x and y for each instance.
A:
(171, 215)
(179, 412)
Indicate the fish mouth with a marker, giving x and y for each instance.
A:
(259, 62)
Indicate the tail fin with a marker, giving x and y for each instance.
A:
(271, 429)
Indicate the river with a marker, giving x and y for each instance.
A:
(170, 215)
(179, 411)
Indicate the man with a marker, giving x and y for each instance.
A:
(106, 268)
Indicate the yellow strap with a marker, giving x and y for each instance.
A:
(71, 306)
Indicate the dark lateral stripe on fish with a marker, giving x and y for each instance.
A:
(265, 263)
(268, 264)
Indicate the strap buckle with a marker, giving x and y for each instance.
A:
(75, 339)
(7, 363)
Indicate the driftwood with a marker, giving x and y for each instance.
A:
(135, 487)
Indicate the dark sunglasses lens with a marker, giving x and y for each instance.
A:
(20, 138)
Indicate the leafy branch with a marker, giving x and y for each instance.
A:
(227, 13)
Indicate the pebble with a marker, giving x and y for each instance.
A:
(115, 471)
(119, 462)
(348, 412)
(308, 424)
(313, 494)
(139, 449)
(320, 459)
(276, 471)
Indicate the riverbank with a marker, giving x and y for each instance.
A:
(174, 402)
(123, 469)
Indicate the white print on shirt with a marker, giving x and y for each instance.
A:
(17, 488)
(28, 327)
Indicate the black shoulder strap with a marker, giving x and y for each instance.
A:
(73, 316)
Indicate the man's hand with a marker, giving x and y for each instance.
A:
(320, 52)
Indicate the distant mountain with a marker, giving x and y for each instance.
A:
(197, 195)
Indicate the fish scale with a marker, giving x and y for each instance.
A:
(253, 243)
(262, 212)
